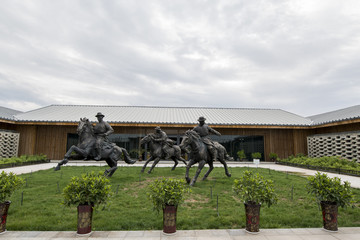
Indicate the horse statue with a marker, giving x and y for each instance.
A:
(85, 149)
(156, 153)
(201, 155)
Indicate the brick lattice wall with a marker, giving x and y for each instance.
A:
(345, 145)
(9, 144)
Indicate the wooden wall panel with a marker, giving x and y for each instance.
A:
(27, 142)
(281, 142)
(7, 126)
(51, 140)
(339, 128)
(300, 141)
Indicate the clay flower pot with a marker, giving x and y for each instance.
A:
(169, 219)
(4, 207)
(330, 213)
(85, 213)
(252, 214)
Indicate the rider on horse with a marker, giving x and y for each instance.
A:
(204, 131)
(166, 143)
(102, 129)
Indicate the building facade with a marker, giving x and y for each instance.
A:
(52, 130)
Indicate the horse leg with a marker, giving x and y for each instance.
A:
(113, 166)
(200, 167)
(176, 163)
(188, 166)
(156, 161)
(66, 156)
(111, 171)
(146, 163)
(177, 154)
(183, 160)
(211, 167)
(222, 160)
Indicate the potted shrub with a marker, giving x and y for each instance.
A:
(331, 194)
(254, 191)
(256, 156)
(9, 182)
(167, 194)
(85, 192)
(273, 156)
(241, 155)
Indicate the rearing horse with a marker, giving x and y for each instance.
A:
(156, 153)
(110, 152)
(201, 155)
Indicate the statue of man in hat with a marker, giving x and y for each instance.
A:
(102, 129)
(161, 137)
(204, 131)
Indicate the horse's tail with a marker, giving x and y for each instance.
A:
(127, 158)
(222, 150)
(227, 156)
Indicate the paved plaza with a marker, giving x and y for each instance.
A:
(224, 234)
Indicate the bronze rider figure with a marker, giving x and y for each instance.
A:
(102, 129)
(166, 143)
(204, 131)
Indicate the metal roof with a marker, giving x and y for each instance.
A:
(7, 113)
(336, 116)
(165, 115)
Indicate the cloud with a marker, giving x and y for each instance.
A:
(299, 56)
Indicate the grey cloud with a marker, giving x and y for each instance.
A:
(180, 53)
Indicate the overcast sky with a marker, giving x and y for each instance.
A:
(302, 56)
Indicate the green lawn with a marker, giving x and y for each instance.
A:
(130, 208)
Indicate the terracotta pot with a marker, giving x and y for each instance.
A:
(329, 213)
(4, 207)
(169, 219)
(85, 213)
(252, 214)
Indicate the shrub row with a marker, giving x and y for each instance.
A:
(330, 162)
(23, 160)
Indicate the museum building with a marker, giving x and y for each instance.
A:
(51, 130)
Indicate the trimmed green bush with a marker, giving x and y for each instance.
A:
(23, 159)
(256, 155)
(331, 162)
(253, 188)
(8, 184)
(273, 156)
(330, 189)
(166, 191)
(241, 154)
(89, 189)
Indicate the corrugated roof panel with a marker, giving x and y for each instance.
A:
(7, 113)
(338, 115)
(170, 115)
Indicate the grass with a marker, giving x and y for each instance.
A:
(130, 209)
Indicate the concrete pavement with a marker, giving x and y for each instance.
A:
(223, 234)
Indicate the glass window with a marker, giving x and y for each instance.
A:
(235, 143)
(232, 143)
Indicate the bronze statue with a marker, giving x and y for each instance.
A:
(86, 147)
(102, 129)
(203, 150)
(166, 143)
(161, 147)
(204, 132)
